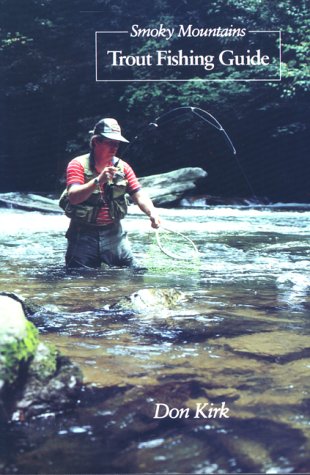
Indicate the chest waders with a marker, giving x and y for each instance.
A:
(114, 196)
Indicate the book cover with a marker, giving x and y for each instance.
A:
(197, 360)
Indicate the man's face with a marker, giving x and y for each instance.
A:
(107, 147)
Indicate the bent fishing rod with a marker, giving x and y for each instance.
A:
(207, 118)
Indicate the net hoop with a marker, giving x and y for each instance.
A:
(168, 252)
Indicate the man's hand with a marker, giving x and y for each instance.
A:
(79, 193)
(107, 174)
(155, 221)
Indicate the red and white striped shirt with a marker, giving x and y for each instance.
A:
(75, 175)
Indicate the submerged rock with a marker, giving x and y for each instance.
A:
(278, 346)
(150, 299)
(34, 377)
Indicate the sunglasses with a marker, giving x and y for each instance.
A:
(108, 141)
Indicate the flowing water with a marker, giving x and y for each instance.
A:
(238, 345)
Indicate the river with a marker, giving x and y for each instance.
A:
(237, 347)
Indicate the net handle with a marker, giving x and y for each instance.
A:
(170, 254)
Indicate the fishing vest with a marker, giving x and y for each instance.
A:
(114, 195)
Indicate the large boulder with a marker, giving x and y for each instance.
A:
(166, 188)
(29, 202)
(34, 377)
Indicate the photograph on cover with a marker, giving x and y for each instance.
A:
(154, 237)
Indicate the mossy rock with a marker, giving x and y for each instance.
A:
(18, 339)
(44, 364)
(53, 383)
(34, 377)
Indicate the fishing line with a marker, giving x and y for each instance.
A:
(217, 125)
(201, 113)
(207, 118)
(246, 178)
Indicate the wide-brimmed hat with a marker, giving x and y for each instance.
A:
(110, 129)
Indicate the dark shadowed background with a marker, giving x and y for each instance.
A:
(50, 99)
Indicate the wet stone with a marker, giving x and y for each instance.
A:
(34, 377)
(258, 444)
(281, 345)
(145, 300)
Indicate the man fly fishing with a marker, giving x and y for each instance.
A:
(95, 200)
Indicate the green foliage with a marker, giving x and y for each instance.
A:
(288, 16)
(12, 40)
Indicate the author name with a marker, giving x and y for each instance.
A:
(202, 411)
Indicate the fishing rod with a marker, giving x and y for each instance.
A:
(203, 115)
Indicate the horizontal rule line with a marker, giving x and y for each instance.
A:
(264, 31)
(185, 80)
(112, 31)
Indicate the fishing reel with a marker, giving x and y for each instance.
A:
(118, 177)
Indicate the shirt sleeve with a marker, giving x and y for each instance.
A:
(133, 182)
(75, 173)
